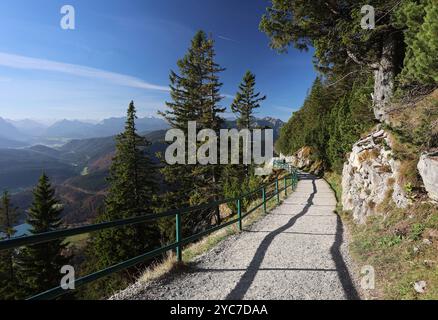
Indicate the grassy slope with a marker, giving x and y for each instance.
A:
(393, 244)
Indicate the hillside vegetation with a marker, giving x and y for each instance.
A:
(368, 118)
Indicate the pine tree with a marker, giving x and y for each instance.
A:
(195, 97)
(426, 49)
(237, 177)
(131, 193)
(246, 101)
(40, 264)
(8, 277)
(333, 28)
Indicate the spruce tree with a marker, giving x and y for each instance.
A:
(237, 177)
(131, 193)
(40, 265)
(195, 97)
(246, 101)
(420, 22)
(8, 276)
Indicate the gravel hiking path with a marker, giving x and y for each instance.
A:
(297, 252)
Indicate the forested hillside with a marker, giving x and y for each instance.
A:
(370, 125)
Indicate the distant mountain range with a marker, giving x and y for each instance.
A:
(16, 134)
(78, 169)
(77, 166)
(22, 133)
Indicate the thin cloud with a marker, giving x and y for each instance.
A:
(228, 96)
(27, 63)
(5, 79)
(227, 39)
(285, 109)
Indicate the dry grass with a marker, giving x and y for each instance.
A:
(416, 122)
(159, 269)
(408, 173)
(412, 114)
(385, 169)
(369, 155)
(306, 152)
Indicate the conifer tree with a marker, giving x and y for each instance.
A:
(8, 276)
(335, 30)
(195, 97)
(131, 193)
(246, 101)
(420, 22)
(238, 177)
(40, 264)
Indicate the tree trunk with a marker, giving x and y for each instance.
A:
(384, 75)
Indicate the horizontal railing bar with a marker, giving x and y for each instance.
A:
(58, 234)
(59, 291)
(54, 235)
(252, 210)
(207, 232)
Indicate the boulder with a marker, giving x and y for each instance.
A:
(428, 168)
(307, 160)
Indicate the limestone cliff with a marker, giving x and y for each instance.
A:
(371, 176)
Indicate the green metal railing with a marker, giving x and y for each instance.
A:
(280, 164)
(290, 180)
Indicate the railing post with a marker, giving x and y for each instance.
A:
(295, 180)
(285, 186)
(239, 214)
(178, 237)
(276, 191)
(264, 199)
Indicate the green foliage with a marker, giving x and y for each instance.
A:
(333, 28)
(331, 120)
(389, 241)
(307, 126)
(40, 264)
(195, 93)
(8, 275)
(349, 118)
(236, 183)
(417, 231)
(239, 179)
(246, 101)
(131, 193)
(420, 22)
(8, 216)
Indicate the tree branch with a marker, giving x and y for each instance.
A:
(352, 56)
(330, 7)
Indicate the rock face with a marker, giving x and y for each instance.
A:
(428, 168)
(370, 177)
(306, 160)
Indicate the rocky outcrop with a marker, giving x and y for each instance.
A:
(370, 177)
(428, 168)
(306, 159)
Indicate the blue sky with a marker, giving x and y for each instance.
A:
(124, 50)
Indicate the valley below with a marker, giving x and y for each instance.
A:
(77, 167)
